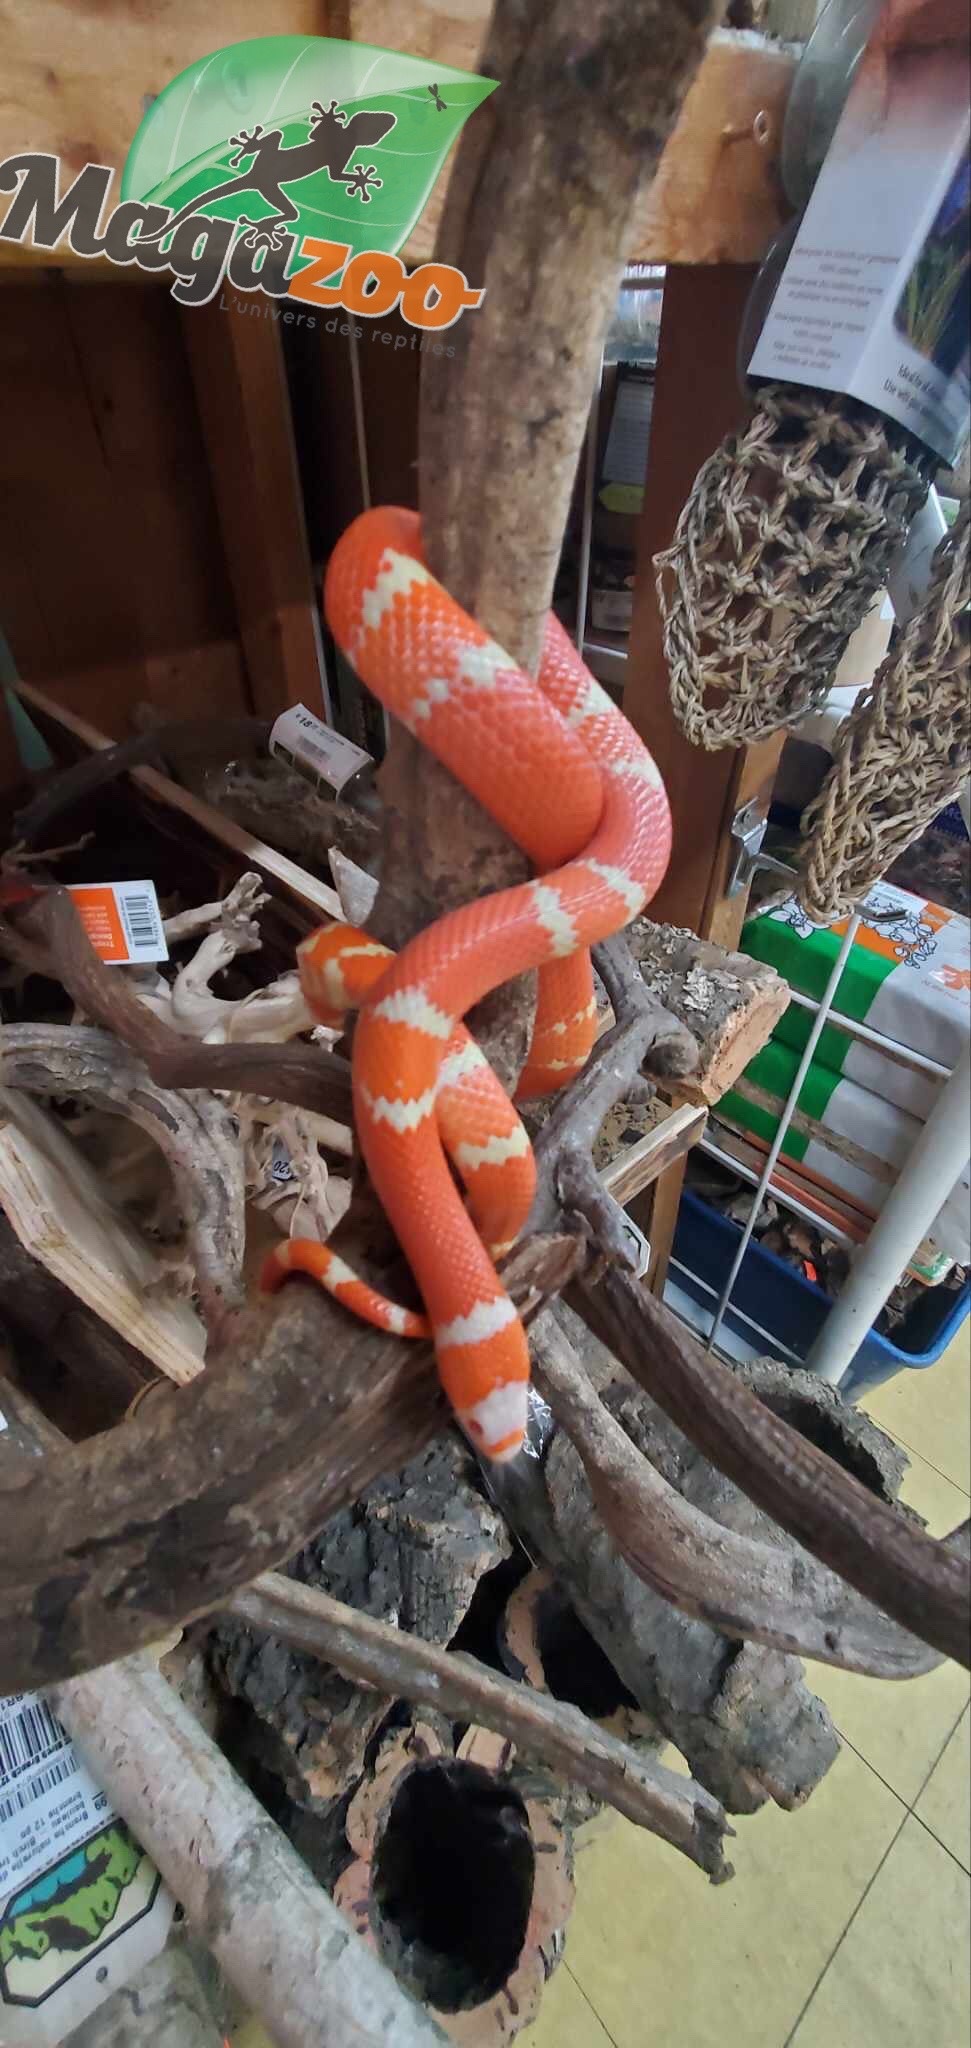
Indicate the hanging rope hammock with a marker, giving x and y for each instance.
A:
(786, 538)
(904, 752)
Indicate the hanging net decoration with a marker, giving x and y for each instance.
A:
(785, 540)
(904, 752)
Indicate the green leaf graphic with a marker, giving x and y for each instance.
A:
(183, 148)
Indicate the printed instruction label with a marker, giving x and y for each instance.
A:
(48, 1801)
(315, 750)
(122, 921)
(872, 300)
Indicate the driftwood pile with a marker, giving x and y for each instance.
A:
(463, 1660)
(473, 1663)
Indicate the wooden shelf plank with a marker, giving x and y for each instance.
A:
(716, 198)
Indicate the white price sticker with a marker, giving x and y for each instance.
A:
(640, 1249)
(316, 750)
(122, 921)
(48, 1801)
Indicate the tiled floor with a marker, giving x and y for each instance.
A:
(847, 1923)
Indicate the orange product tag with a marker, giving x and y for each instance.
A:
(122, 921)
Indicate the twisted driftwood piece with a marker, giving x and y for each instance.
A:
(738, 1585)
(51, 941)
(196, 1134)
(924, 1585)
(403, 1667)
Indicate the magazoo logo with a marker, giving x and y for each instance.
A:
(291, 165)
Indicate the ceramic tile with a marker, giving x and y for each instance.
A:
(900, 1727)
(662, 1955)
(944, 1805)
(930, 1410)
(566, 2019)
(900, 1975)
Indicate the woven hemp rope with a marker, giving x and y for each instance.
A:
(904, 751)
(784, 541)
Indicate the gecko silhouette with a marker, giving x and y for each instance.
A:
(331, 143)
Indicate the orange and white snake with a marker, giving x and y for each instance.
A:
(565, 775)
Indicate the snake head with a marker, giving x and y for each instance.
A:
(338, 966)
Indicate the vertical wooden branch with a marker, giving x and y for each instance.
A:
(538, 211)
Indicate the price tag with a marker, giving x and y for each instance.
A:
(315, 750)
(122, 921)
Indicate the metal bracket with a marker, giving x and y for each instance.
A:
(748, 832)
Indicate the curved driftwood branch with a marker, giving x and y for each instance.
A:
(402, 1666)
(57, 946)
(738, 1585)
(209, 1485)
(196, 1133)
(922, 1584)
(642, 1028)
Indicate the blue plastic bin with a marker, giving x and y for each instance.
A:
(791, 1309)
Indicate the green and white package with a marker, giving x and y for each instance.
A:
(909, 977)
(82, 1908)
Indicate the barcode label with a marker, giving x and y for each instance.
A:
(31, 1732)
(316, 750)
(25, 1795)
(141, 917)
(122, 921)
(48, 1801)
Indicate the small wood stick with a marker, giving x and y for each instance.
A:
(401, 1666)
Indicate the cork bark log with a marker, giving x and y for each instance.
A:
(728, 1002)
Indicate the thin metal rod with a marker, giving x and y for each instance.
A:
(785, 1119)
(586, 528)
(360, 425)
(768, 1336)
(712, 1151)
(927, 1178)
(902, 1055)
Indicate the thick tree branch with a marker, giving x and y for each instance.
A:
(539, 211)
(922, 1584)
(402, 1666)
(210, 1484)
